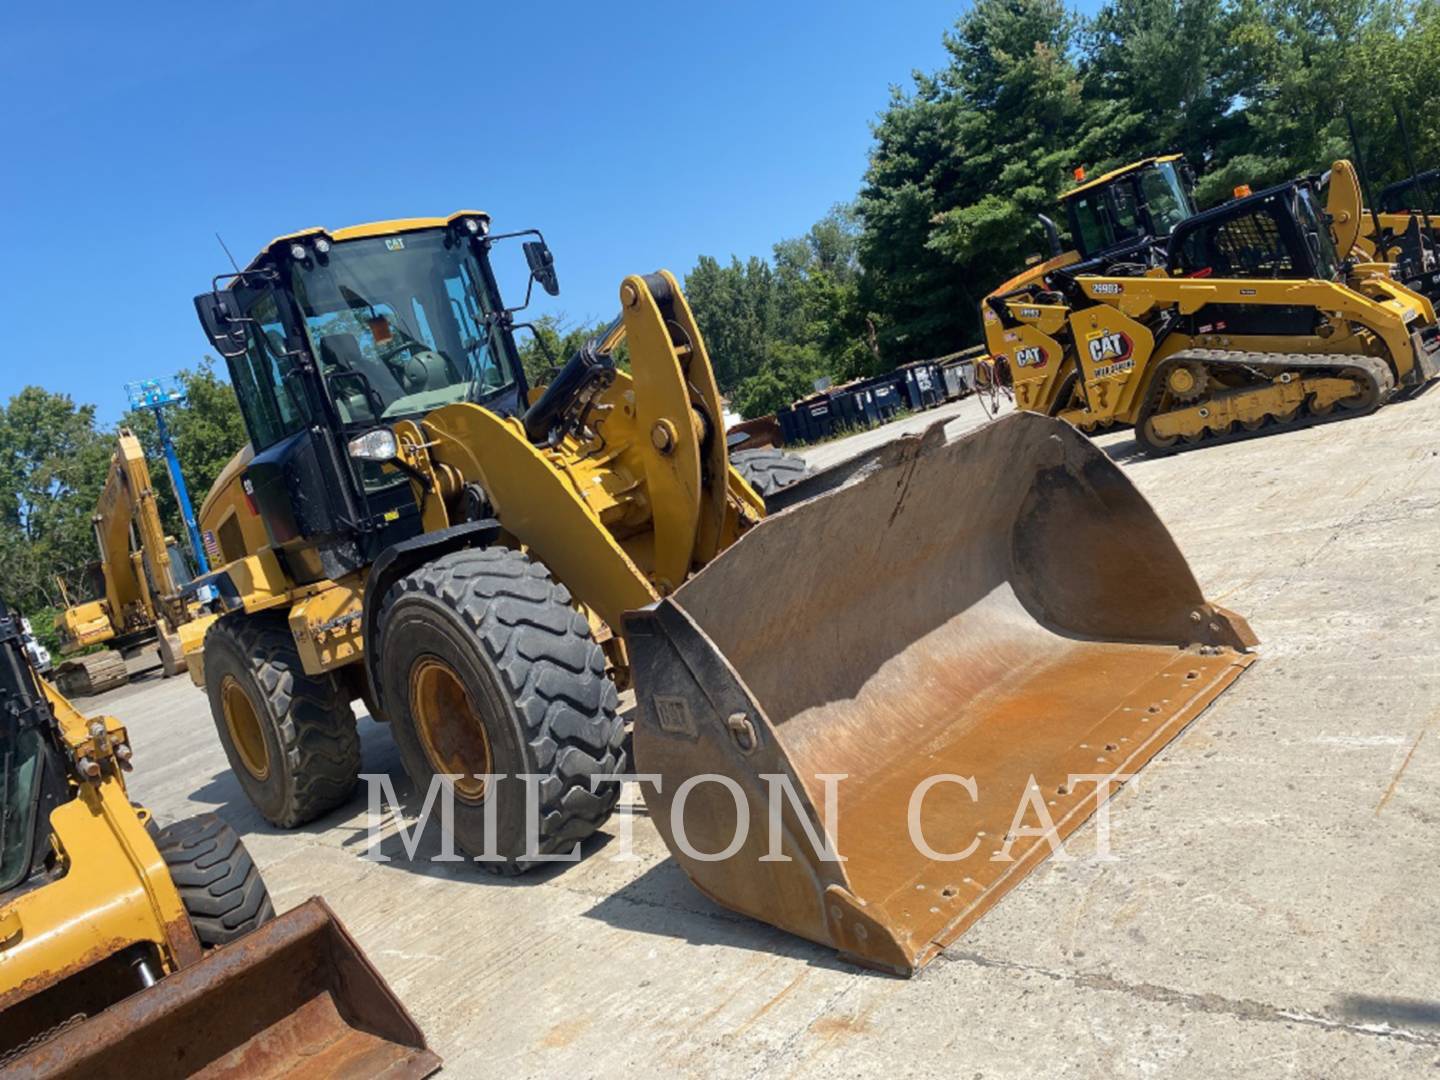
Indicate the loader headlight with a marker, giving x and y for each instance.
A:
(377, 445)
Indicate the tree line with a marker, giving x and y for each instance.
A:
(962, 160)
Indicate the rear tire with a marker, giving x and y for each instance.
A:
(769, 470)
(488, 668)
(218, 882)
(290, 737)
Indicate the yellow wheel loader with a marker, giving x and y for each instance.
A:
(1247, 317)
(486, 564)
(129, 950)
(137, 581)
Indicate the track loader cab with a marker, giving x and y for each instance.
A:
(1418, 194)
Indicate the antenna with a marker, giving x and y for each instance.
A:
(227, 252)
(1425, 203)
(1381, 248)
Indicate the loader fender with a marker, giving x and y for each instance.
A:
(1002, 612)
(398, 560)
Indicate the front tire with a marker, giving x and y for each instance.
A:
(487, 668)
(290, 737)
(218, 882)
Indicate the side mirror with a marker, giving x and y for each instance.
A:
(542, 265)
(224, 322)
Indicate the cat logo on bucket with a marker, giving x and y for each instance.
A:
(1031, 356)
(1111, 348)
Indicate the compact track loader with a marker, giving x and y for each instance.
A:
(128, 950)
(486, 564)
(137, 581)
(1245, 317)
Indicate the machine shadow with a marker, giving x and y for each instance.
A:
(1394, 1011)
(662, 902)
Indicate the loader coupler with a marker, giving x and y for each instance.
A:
(296, 998)
(915, 674)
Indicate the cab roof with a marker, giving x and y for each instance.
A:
(374, 228)
(1116, 174)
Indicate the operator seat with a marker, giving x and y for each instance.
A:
(340, 354)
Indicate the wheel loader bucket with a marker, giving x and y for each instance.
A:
(296, 998)
(864, 714)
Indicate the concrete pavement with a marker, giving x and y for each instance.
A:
(1270, 910)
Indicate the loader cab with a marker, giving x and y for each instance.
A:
(1281, 232)
(1415, 194)
(32, 770)
(1145, 199)
(334, 336)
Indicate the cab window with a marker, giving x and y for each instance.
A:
(266, 379)
(1091, 234)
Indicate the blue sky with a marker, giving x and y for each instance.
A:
(635, 135)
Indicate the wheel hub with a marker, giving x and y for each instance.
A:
(451, 730)
(242, 723)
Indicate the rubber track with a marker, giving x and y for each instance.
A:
(554, 672)
(316, 724)
(1377, 371)
(768, 470)
(218, 882)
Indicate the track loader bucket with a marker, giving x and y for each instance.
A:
(296, 998)
(946, 634)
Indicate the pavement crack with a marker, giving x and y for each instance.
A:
(1215, 1004)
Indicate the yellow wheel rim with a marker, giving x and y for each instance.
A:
(243, 724)
(1182, 380)
(450, 729)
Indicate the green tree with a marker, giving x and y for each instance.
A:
(962, 165)
(53, 460)
(551, 342)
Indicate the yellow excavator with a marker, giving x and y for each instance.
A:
(1249, 317)
(486, 564)
(137, 583)
(131, 950)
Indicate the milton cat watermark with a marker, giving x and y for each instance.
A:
(784, 809)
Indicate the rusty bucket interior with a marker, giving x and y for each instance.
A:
(295, 998)
(958, 629)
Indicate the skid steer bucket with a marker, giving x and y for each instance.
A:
(296, 998)
(946, 634)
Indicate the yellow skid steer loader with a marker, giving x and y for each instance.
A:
(1249, 317)
(485, 564)
(128, 950)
